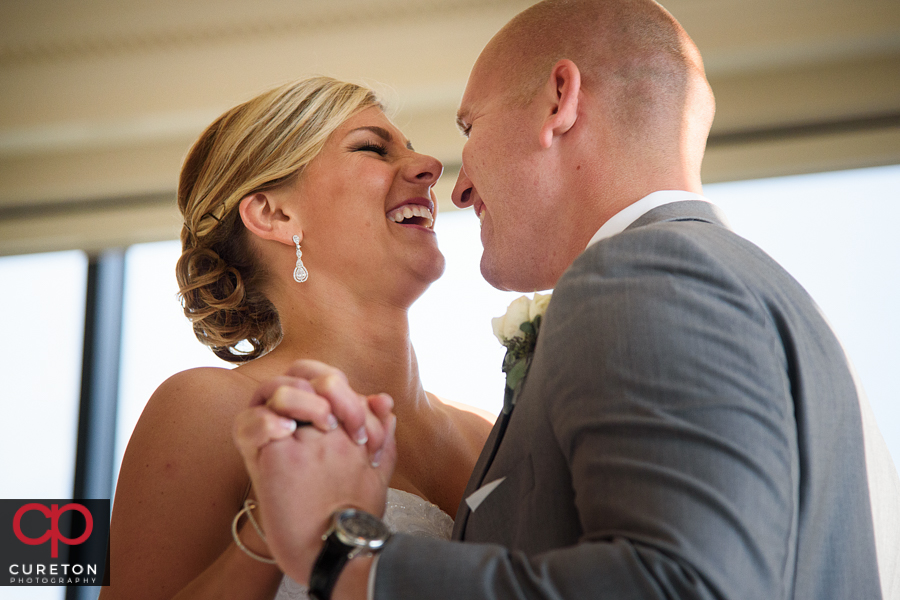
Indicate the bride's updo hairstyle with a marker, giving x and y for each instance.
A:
(259, 145)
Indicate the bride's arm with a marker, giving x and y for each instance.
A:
(180, 486)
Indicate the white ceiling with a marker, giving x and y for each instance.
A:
(100, 99)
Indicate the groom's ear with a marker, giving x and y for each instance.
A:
(562, 91)
(267, 215)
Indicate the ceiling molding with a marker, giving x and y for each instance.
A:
(103, 98)
(217, 26)
(822, 151)
(804, 130)
(91, 228)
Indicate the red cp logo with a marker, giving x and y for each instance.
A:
(53, 533)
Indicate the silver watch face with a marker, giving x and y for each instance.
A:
(360, 529)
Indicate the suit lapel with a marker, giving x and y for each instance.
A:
(481, 467)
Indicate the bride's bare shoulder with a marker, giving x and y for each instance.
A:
(204, 387)
(215, 378)
(467, 411)
(182, 442)
(474, 423)
(198, 403)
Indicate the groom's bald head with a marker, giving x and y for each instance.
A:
(574, 110)
(633, 52)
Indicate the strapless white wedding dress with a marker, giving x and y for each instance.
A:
(404, 513)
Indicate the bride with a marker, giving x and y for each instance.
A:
(308, 233)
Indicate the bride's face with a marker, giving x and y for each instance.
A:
(367, 209)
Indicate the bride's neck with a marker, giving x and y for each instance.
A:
(367, 339)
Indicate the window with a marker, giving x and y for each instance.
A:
(43, 321)
(836, 233)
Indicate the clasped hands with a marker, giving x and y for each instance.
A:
(342, 455)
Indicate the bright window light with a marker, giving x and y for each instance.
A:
(40, 375)
(40, 381)
(836, 234)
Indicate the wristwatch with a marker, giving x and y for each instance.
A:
(352, 533)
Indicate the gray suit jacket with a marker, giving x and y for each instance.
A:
(690, 428)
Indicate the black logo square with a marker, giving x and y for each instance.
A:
(54, 542)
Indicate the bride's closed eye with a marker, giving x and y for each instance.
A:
(370, 146)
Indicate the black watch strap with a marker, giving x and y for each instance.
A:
(328, 567)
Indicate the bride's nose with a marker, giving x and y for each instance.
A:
(423, 169)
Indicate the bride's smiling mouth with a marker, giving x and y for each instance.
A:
(418, 211)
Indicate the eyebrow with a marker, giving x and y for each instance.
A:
(461, 121)
(380, 132)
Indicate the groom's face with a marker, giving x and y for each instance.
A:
(505, 179)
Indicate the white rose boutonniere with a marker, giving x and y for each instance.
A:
(518, 330)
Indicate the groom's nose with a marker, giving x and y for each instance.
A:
(462, 191)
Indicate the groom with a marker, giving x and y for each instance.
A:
(690, 426)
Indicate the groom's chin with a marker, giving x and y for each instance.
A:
(512, 279)
(491, 274)
(517, 273)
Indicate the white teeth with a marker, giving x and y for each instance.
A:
(408, 211)
(481, 217)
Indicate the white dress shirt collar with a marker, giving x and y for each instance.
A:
(620, 221)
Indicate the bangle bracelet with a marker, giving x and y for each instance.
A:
(249, 505)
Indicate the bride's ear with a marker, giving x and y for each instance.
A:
(263, 216)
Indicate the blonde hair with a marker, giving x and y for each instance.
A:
(261, 144)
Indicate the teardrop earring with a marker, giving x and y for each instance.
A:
(300, 272)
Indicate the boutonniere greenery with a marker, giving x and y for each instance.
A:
(518, 330)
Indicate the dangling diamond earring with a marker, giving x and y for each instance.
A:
(300, 272)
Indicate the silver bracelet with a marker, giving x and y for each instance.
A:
(249, 505)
